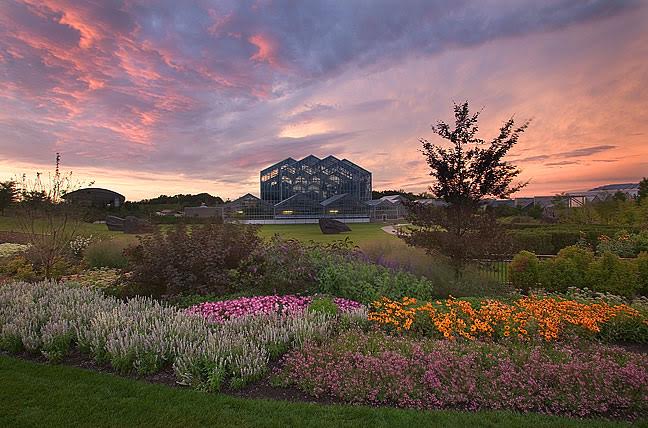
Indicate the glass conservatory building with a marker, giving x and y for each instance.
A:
(312, 188)
(322, 178)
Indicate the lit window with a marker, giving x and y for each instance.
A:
(287, 212)
(239, 212)
(333, 211)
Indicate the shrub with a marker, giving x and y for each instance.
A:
(324, 305)
(20, 269)
(106, 254)
(642, 271)
(623, 244)
(578, 380)
(611, 274)
(566, 270)
(203, 260)
(525, 270)
(366, 282)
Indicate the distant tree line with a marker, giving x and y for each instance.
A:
(183, 200)
(377, 194)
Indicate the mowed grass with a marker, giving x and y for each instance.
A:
(40, 395)
(361, 233)
(14, 224)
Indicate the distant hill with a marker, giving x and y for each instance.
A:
(620, 186)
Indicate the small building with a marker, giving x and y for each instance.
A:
(203, 211)
(95, 197)
(387, 208)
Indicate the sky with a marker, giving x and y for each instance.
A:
(166, 97)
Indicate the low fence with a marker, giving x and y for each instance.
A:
(500, 269)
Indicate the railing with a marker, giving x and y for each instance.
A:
(500, 269)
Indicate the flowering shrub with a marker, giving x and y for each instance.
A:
(144, 336)
(230, 309)
(9, 249)
(623, 244)
(527, 317)
(581, 380)
(101, 278)
(79, 244)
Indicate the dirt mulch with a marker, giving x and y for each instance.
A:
(13, 237)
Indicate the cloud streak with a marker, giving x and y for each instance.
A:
(214, 90)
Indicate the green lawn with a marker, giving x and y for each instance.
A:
(361, 233)
(35, 395)
(13, 224)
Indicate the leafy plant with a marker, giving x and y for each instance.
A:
(200, 260)
(525, 270)
(611, 274)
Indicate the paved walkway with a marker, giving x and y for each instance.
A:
(393, 229)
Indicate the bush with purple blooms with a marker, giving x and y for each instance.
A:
(577, 379)
(224, 310)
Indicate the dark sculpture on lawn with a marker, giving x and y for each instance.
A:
(328, 226)
(130, 224)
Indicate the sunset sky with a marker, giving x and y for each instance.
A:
(165, 97)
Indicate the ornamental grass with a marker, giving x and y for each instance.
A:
(525, 318)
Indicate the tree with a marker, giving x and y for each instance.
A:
(465, 174)
(8, 194)
(643, 190)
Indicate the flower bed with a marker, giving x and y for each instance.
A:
(564, 379)
(141, 335)
(527, 317)
(231, 309)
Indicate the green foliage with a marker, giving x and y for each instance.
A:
(323, 305)
(611, 274)
(19, 268)
(566, 270)
(643, 190)
(366, 282)
(473, 281)
(106, 254)
(525, 270)
(8, 195)
(642, 273)
(549, 239)
(623, 244)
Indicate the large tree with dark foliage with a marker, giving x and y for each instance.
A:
(643, 190)
(465, 174)
(8, 194)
